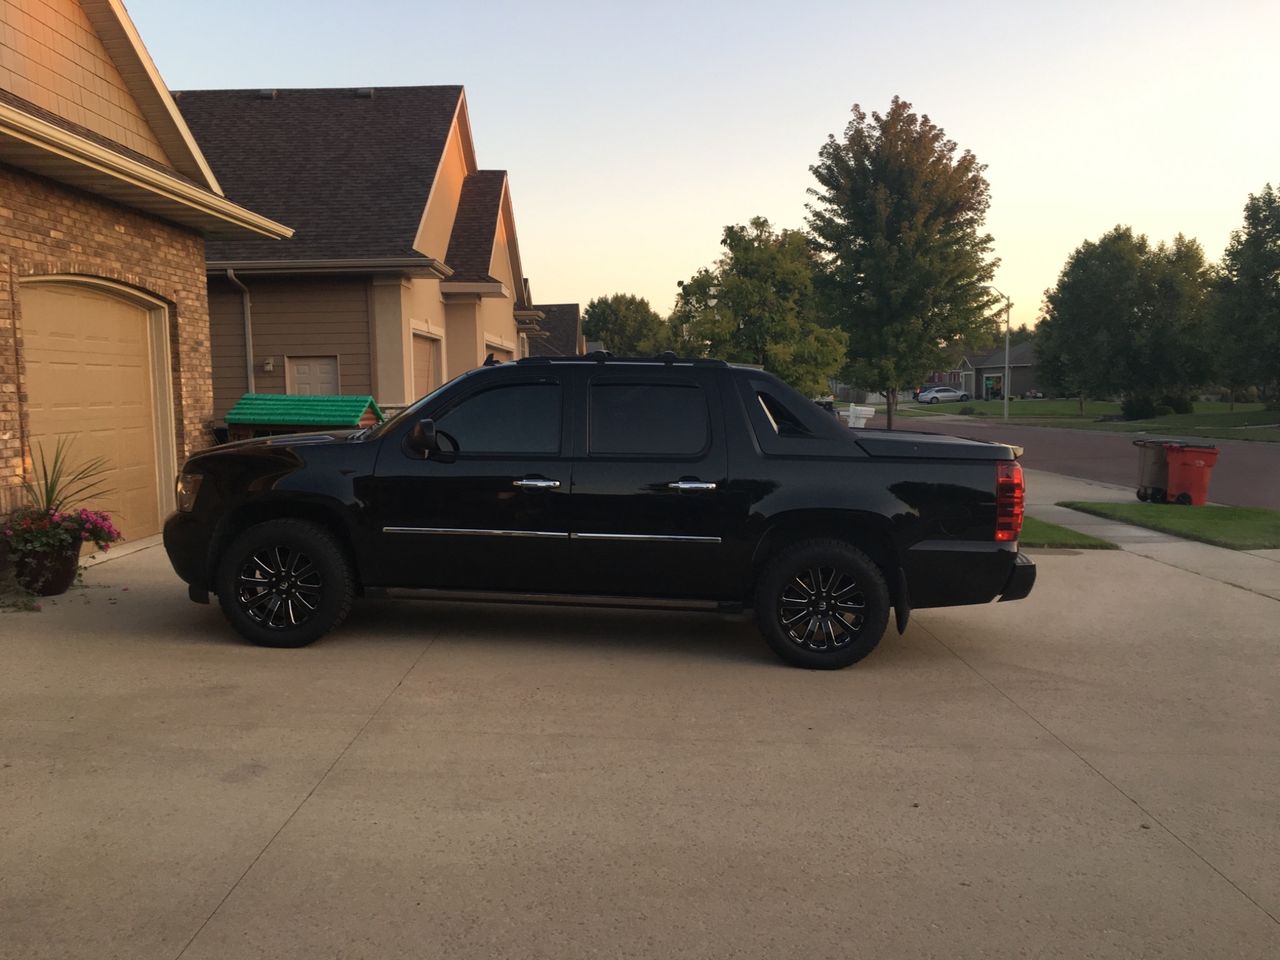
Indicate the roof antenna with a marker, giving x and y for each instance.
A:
(489, 361)
(667, 356)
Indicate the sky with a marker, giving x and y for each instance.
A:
(633, 133)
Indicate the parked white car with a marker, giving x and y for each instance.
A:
(940, 395)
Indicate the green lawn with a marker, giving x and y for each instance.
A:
(1039, 533)
(1037, 408)
(1237, 528)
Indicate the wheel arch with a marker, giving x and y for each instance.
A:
(867, 532)
(246, 515)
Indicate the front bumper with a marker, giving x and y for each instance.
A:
(1021, 578)
(186, 541)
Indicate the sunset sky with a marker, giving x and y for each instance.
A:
(634, 132)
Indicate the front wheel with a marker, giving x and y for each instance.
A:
(822, 604)
(964, 397)
(933, 399)
(284, 583)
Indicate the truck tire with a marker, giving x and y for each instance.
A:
(284, 583)
(822, 604)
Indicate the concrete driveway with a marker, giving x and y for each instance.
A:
(1092, 772)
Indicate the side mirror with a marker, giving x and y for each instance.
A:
(422, 438)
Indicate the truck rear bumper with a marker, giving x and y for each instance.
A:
(1021, 578)
(953, 573)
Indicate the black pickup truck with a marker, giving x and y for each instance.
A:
(595, 480)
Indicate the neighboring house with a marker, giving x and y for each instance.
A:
(405, 268)
(105, 204)
(960, 376)
(561, 325)
(989, 372)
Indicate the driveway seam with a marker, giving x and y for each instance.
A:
(1115, 786)
(301, 803)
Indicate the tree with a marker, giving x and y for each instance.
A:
(756, 305)
(1246, 332)
(627, 325)
(896, 221)
(1127, 318)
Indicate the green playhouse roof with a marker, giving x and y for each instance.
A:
(324, 411)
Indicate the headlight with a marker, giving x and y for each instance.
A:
(188, 487)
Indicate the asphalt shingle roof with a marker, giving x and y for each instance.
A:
(1020, 355)
(475, 226)
(323, 411)
(351, 174)
(563, 323)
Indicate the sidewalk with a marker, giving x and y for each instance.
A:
(1257, 571)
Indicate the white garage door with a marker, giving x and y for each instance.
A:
(89, 376)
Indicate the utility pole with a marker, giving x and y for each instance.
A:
(1004, 385)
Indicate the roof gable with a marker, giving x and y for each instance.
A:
(562, 322)
(82, 64)
(475, 227)
(349, 170)
(1020, 355)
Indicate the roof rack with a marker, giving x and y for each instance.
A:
(603, 356)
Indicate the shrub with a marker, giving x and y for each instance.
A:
(1164, 410)
(1176, 404)
(1137, 408)
(968, 411)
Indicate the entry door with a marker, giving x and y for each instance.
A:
(490, 511)
(650, 504)
(312, 376)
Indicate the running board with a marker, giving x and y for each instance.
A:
(553, 599)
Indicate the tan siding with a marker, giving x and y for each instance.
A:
(226, 337)
(50, 55)
(317, 317)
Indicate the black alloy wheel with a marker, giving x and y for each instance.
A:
(822, 604)
(284, 583)
(822, 609)
(279, 588)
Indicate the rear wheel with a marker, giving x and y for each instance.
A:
(284, 583)
(822, 604)
(964, 397)
(1143, 494)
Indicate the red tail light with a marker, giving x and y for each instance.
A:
(1010, 494)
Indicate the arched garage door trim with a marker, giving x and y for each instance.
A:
(158, 314)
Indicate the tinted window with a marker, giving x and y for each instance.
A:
(648, 419)
(521, 418)
(784, 422)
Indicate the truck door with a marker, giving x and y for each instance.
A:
(649, 507)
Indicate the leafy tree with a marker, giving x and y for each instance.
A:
(1127, 318)
(627, 325)
(1247, 310)
(897, 222)
(756, 305)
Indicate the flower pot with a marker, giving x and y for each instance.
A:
(48, 573)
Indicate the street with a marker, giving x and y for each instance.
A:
(1247, 474)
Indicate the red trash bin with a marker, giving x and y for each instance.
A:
(1189, 470)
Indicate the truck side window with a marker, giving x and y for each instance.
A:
(648, 419)
(518, 418)
(784, 422)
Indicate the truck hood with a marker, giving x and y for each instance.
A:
(931, 446)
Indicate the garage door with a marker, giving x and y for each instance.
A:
(89, 376)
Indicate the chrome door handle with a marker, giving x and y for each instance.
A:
(691, 485)
(536, 484)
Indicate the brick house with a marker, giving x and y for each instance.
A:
(405, 268)
(105, 205)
